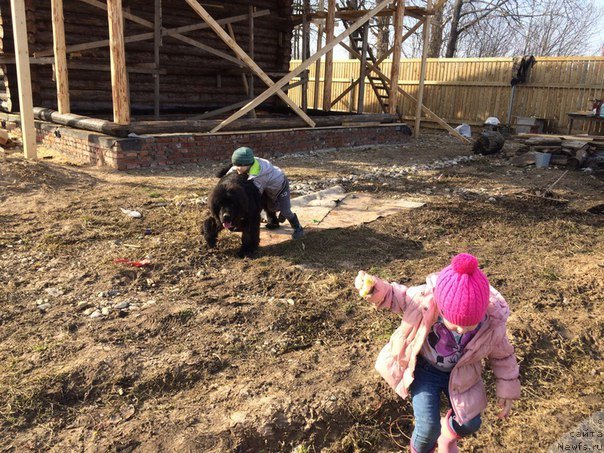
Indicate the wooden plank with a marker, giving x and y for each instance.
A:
(119, 76)
(157, 42)
(329, 35)
(399, 18)
(306, 64)
(165, 32)
(200, 10)
(60, 57)
(305, 52)
(28, 127)
(422, 75)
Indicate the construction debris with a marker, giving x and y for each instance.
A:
(569, 151)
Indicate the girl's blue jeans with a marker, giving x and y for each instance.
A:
(426, 389)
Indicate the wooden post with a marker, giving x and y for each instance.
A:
(305, 51)
(276, 87)
(422, 74)
(351, 100)
(201, 11)
(329, 34)
(318, 63)
(26, 107)
(157, 42)
(399, 18)
(58, 39)
(252, 50)
(119, 75)
(363, 70)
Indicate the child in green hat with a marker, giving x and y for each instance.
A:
(270, 181)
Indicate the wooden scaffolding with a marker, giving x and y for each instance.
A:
(355, 23)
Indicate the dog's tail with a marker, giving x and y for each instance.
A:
(223, 171)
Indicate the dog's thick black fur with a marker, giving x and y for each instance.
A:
(235, 204)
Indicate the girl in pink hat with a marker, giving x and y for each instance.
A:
(449, 325)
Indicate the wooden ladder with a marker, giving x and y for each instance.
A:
(380, 85)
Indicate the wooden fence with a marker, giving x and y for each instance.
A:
(470, 90)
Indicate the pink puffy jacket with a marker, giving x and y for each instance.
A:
(396, 361)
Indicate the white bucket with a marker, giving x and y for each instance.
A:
(542, 159)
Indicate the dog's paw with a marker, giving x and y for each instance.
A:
(245, 253)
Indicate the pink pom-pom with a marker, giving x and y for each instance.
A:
(464, 263)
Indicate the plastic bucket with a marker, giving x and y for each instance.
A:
(542, 159)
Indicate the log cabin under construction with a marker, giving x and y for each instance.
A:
(133, 83)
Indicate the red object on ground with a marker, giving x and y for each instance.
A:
(141, 263)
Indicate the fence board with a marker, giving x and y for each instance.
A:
(470, 90)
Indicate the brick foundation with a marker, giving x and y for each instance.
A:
(171, 149)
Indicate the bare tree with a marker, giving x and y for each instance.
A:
(436, 31)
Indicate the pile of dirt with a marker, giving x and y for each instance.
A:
(201, 351)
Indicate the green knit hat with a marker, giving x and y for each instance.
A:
(243, 156)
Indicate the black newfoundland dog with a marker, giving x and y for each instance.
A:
(235, 205)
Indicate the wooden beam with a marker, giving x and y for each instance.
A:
(399, 19)
(363, 70)
(58, 39)
(102, 67)
(254, 124)
(146, 23)
(304, 65)
(157, 43)
(81, 122)
(245, 58)
(165, 32)
(252, 50)
(422, 72)
(305, 52)
(318, 63)
(28, 128)
(119, 76)
(329, 35)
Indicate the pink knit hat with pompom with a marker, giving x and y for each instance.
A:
(462, 291)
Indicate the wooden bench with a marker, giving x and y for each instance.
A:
(587, 116)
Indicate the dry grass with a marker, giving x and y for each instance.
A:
(222, 361)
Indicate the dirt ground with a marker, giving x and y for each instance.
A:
(201, 351)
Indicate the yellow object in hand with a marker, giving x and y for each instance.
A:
(367, 288)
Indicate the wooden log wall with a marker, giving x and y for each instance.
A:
(472, 89)
(193, 79)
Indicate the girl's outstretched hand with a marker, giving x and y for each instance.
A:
(364, 283)
(506, 406)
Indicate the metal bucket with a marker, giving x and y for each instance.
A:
(542, 159)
